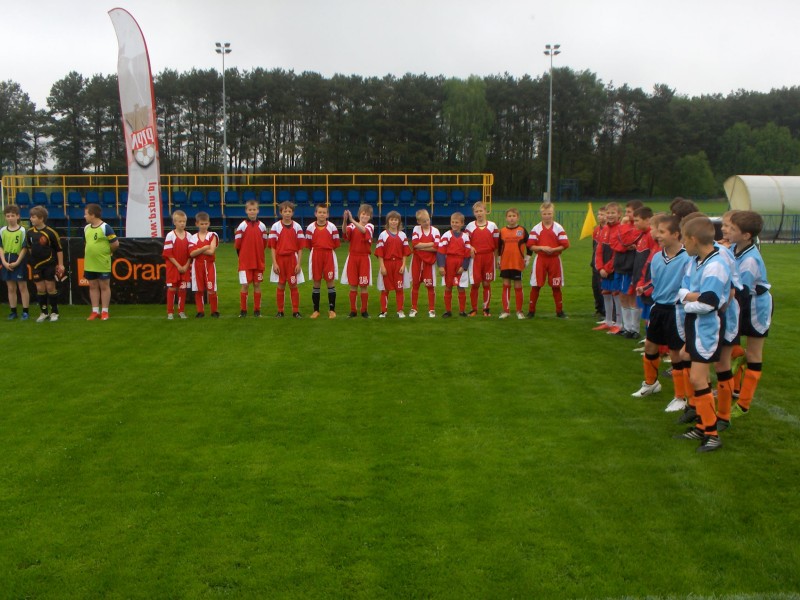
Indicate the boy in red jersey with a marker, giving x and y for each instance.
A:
(604, 263)
(203, 249)
(322, 237)
(453, 259)
(646, 247)
(425, 242)
(547, 240)
(179, 264)
(513, 259)
(286, 242)
(483, 236)
(391, 250)
(250, 241)
(358, 268)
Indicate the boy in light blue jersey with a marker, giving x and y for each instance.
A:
(13, 256)
(755, 300)
(707, 287)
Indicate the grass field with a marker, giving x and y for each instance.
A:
(425, 458)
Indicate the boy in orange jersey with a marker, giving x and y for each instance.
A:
(453, 260)
(483, 237)
(322, 237)
(203, 249)
(391, 250)
(286, 242)
(512, 261)
(250, 241)
(425, 243)
(547, 240)
(357, 271)
(179, 264)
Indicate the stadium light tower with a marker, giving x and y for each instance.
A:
(550, 51)
(223, 49)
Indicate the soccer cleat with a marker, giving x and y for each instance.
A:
(382, 315)
(620, 333)
(352, 315)
(613, 330)
(365, 314)
(473, 313)
(723, 424)
(53, 317)
(504, 315)
(26, 316)
(12, 316)
(521, 315)
(710, 443)
(447, 315)
(170, 317)
(562, 315)
(675, 405)
(277, 316)
(242, 314)
(633, 335)
(412, 313)
(215, 315)
(104, 316)
(314, 315)
(182, 315)
(199, 315)
(257, 313)
(647, 389)
(602, 327)
(693, 433)
(93, 316)
(401, 314)
(738, 411)
(487, 312)
(689, 416)
(297, 315)
(332, 314)
(462, 314)
(668, 372)
(531, 314)
(431, 314)
(42, 318)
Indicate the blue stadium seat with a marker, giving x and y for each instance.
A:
(371, 197)
(231, 197)
(109, 198)
(249, 195)
(353, 197)
(92, 197)
(284, 196)
(474, 195)
(318, 197)
(213, 198)
(40, 199)
(55, 207)
(179, 198)
(57, 199)
(235, 211)
(457, 197)
(196, 197)
(336, 198)
(406, 197)
(266, 197)
(440, 197)
(388, 196)
(301, 197)
(22, 199)
(424, 196)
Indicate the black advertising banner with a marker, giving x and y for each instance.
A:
(138, 273)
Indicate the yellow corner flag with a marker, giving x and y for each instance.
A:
(589, 223)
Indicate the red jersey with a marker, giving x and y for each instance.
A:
(322, 238)
(360, 243)
(551, 237)
(455, 244)
(646, 247)
(286, 239)
(484, 240)
(604, 257)
(250, 241)
(392, 246)
(420, 237)
(195, 242)
(176, 247)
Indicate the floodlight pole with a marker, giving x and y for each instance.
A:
(550, 51)
(223, 49)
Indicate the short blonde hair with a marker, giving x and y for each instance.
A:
(547, 206)
(513, 211)
(420, 212)
(178, 213)
(365, 208)
(479, 204)
(700, 228)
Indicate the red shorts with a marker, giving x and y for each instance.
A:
(547, 269)
(251, 276)
(451, 275)
(358, 269)
(177, 279)
(204, 276)
(287, 265)
(322, 265)
(393, 280)
(482, 268)
(422, 273)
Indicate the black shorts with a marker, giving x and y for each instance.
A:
(662, 329)
(91, 275)
(45, 273)
(512, 274)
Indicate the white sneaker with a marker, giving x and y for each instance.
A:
(504, 315)
(520, 315)
(432, 314)
(53, 317)
(647, 389)
(675, 405)
(42, 318)
(382, 316)
(182, 315)
(412, 313)
(401, 314)
(170, 316)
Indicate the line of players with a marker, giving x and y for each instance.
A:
(699, 293)
(464, 257)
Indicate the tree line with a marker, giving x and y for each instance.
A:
(608, 141)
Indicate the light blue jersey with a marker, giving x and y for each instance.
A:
(757, 306)
(666, 277)
(731, 313)
(711, 278)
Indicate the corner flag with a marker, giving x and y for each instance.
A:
(589, 223)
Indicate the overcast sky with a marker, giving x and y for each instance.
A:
(694, 46)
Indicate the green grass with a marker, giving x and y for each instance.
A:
(383, 458)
